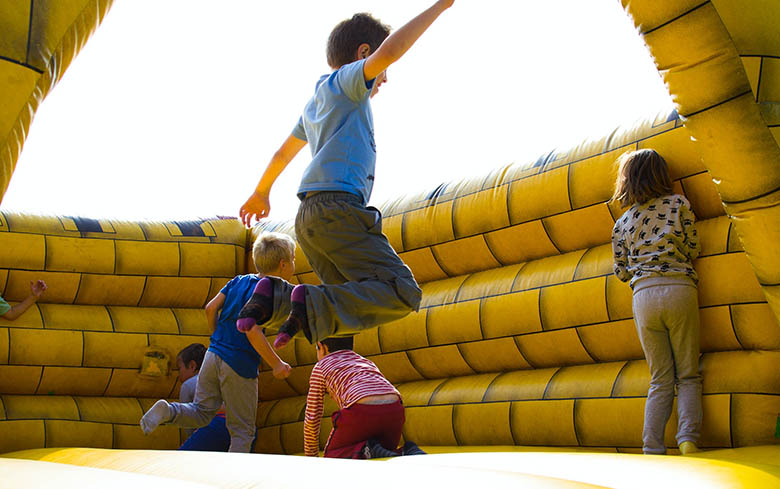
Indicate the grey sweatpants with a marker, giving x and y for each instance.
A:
(365, 283)
(218, 383)
(667, 320)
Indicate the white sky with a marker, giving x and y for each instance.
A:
(174, 107)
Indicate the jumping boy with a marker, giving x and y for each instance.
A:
(229, 370)
(370, 418)
(365, 283)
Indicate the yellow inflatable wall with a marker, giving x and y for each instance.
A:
(524, 339)
(38, 41)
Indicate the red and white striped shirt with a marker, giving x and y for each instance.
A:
(348, 378)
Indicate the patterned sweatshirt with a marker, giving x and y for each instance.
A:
(348, 378)
(656, 239)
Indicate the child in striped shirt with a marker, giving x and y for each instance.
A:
(370, 418)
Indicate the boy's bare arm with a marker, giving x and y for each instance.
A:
(212, 310)
(258, 206)
(401, 40)
(281, 369)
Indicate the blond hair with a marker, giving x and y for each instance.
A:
(270, 249)
(642, 175)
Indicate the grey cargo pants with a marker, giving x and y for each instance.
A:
(364, 282)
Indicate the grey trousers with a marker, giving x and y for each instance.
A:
(218, 384)
(365, 283)
(667, 320)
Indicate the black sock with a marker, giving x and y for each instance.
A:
(297, 320)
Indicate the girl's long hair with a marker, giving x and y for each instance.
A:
(642, 175)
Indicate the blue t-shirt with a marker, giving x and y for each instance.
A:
(227, 342)
(4, 306)
(339, 127)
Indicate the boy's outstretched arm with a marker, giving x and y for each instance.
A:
(401, 40)
(258, 206)
(281, 369)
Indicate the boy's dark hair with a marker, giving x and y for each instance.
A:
(194, 352)
(337, 343)
(642, 175)
(349, 34)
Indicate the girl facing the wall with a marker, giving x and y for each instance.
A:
(654, 243)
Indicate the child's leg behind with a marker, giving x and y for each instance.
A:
(682, 320)
(649, 304)
(341, 237)
(240, 395)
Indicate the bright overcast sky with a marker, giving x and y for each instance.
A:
(174, 107)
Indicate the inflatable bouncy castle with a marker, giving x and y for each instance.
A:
(523, 364)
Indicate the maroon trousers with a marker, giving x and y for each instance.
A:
(355, 425)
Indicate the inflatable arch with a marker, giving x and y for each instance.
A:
(522, 366)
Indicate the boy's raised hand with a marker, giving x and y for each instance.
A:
(256, 207)
(401, 40)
